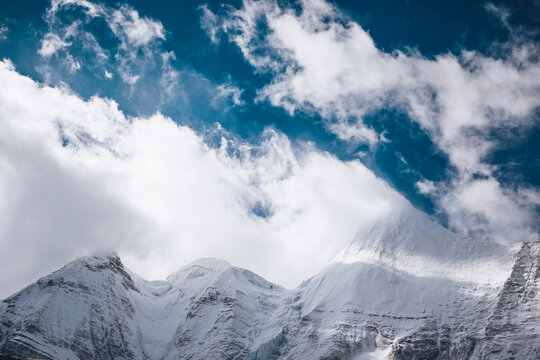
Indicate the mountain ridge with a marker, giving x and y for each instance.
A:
(386, 296)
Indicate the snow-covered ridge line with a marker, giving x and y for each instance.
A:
(414, 244)
(405, 289)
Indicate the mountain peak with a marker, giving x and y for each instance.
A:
(101, 261)
(211, 263)
(411, 242)
(210, 310)
(200, 268)
(99, 257)
(402, 232)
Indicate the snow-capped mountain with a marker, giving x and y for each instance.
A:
(427, 293)
(405, 289)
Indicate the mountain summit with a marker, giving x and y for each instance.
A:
(405, 289)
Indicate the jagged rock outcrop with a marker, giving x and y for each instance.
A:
(513, 329)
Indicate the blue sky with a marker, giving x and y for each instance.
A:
(438, 103)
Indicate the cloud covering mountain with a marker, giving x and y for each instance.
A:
(264, 133)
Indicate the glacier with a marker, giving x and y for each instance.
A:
(406, 288)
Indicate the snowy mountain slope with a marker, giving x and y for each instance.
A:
(95, 309)
(405, 289)
(408, 286)
(507, 325)
(227, 302)
(80, 311)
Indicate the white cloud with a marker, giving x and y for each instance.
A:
(79, 176)
(137, 31)
(209, 22)
(92, 9)
(483, 205)
(152, 80)
(136, 35)
(425, 186)
(72, 64)
(50, 44)
(169, 75)
(229, 92)
(323, 61)
(3, 32)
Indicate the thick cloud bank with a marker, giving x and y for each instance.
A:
(79, 176)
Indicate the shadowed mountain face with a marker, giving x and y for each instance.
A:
(406, 289)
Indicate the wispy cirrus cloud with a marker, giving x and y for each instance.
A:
(135, 34)
(88, 42)
(50, 44)
(3, 32)
(323, 61)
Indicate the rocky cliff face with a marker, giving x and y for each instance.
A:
(406, 289)
(509, 328)
(513, 327)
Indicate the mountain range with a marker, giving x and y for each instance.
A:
(406, 288)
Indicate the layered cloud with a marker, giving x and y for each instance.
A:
(80, 176)
(324, 62)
